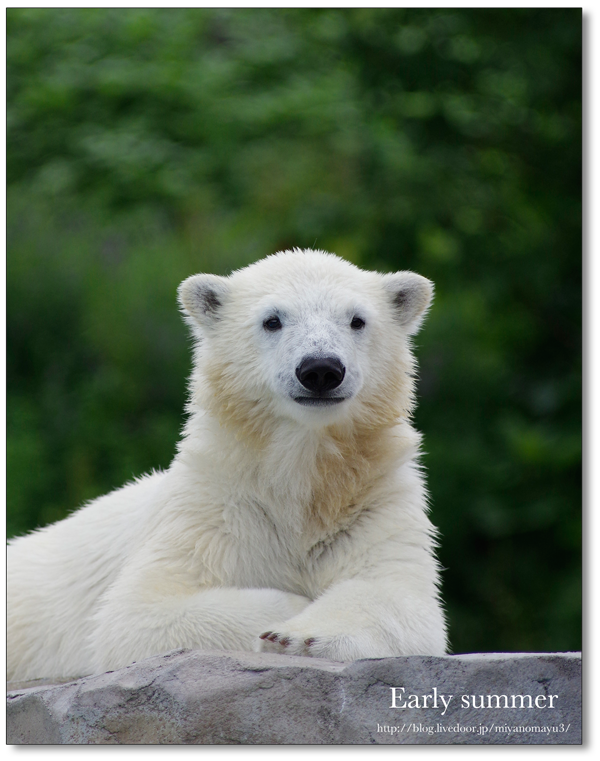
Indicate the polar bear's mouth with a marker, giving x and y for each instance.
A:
(319, 401)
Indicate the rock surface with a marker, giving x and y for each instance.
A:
(193, 697)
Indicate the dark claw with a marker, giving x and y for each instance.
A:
(308, 642)
(264, 635)
(273, 637)
(285, 641)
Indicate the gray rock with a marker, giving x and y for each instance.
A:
(193, 697)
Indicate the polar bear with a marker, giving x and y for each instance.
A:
(293, 518)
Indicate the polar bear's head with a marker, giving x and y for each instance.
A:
(305, 335)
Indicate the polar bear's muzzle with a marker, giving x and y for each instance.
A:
(320, 376)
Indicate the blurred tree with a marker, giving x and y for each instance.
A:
(147, 144)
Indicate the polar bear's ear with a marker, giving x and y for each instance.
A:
(202, 296)
(410, 296)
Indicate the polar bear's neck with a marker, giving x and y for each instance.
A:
(335, 471)
(312, 482)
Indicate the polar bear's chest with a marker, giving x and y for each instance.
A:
(256, 551)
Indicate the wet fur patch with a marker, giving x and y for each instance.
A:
(246, 418)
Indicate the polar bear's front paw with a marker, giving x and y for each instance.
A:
(277, 642)
(296, 643)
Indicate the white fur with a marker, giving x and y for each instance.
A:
(305, 524)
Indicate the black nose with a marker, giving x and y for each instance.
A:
(319, 374)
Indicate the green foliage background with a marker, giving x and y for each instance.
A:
(146, 145)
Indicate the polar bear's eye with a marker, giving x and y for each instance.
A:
(357, 323)
(272, 323)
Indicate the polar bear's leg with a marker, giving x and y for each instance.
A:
(129, 627)
(362, 619)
